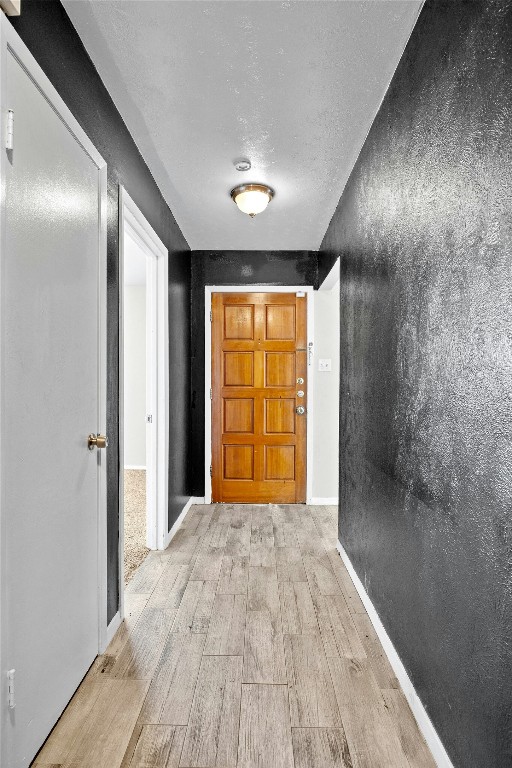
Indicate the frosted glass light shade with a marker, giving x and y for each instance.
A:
(252, 198)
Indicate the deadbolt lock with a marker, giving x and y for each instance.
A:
(300, 393)
(97, 441)
(300, 380)
(300, 410)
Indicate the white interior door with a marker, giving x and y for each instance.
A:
(51, 350)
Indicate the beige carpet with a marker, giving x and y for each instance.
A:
(135, 549)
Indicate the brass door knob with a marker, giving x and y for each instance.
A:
(300, 410)
(97, 441)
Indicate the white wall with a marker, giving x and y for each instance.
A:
(135, 375)
(326, 394)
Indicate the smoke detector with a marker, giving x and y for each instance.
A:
(242, 164)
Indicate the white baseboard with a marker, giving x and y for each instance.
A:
(112, 628)
(134, 466)
(324, 501)
(170, 536)
(434, 743)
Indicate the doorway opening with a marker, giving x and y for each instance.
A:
(136, 524)
(273, 464)
(144, 389)
(323, 376)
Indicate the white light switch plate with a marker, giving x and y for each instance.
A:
(324, 364)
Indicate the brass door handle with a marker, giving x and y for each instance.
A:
(300, 410)
(97, 441)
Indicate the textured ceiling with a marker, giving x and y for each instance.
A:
(293, 86)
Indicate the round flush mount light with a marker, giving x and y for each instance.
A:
(252, 198)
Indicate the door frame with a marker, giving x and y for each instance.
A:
(132, 220)
(11, 44)
(209, 289)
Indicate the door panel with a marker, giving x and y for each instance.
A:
(280, 369)
(238, 462)
(258, 440)
(280, 323)
(238, 414)
(279, 462)
(238, 322)
(50, 403)
(279, 416)
(238, 369)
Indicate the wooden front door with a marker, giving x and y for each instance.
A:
(259, 367)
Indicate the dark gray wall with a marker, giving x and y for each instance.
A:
(233, 268)
(48, 33)
(424, 232)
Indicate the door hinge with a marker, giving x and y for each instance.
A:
(149, 418)
(211, 316)
(211, 471)
(211, 395)
(10, 688)
(9, 136)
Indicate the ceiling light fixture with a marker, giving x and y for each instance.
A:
(252, 198)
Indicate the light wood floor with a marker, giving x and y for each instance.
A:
(245, 646)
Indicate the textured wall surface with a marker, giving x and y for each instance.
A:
(53, 41)
(424, 234)
(233, 268)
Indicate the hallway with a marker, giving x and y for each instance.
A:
(245, 644)
(354, 157)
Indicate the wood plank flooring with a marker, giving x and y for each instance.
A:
(245, 645)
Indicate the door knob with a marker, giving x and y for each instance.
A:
(300, 410)
(97, 441)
